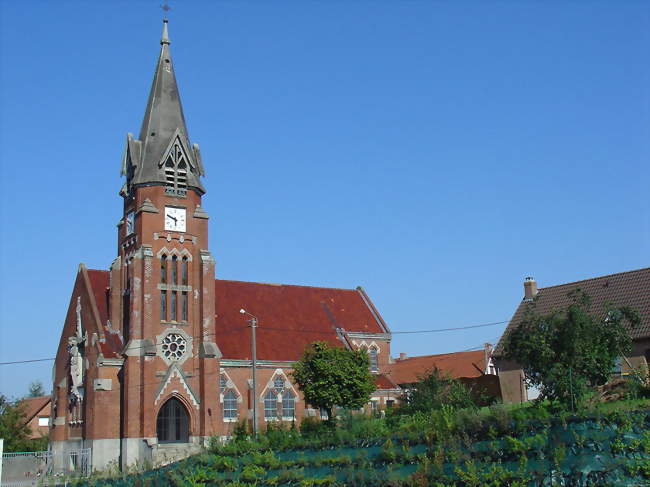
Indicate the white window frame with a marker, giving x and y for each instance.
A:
(294, 398)
(226, 399)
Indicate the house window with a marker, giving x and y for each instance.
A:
(372, 353)
(374, 406)
(278, 384)
(390, 403)
(288, 405)
(618, 366)
(271, 405)
(223, 382)
(230, 405)
(43, 421)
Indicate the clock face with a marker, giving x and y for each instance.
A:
(130, 220)
(174, 219)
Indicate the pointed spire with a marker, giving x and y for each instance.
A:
(165, 35)
(163, 128)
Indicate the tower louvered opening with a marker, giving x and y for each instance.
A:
(176, 168)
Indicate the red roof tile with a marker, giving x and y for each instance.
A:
(630, 288)
(33, 405)
(99, 281)
(112, 344)
(383, 382)
(290, 318)
(454, 365)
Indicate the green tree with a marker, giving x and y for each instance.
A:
(36, 389)
(334, 376)
(565, 353)
(433, 391)
(13, 427)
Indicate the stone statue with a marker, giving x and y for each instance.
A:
(75, 347)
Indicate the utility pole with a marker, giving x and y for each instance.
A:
(253, 322)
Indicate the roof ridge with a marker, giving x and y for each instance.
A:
(288, 285)
(97, 270)
(438, 355)
(597, 277)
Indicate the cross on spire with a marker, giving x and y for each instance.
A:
(166, 8)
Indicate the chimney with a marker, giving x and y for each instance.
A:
(402, 356)
(530, 289)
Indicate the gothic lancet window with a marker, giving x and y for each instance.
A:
(271, 405)
(163, 305)
(174, 269)
(184, 306)
(230, 404)
(184, 271)
(163, 269)
(288, 405)
(374, 366)
(174, 298)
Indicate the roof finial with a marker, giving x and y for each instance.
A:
(165, 37)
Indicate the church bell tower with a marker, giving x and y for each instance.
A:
(162, 282)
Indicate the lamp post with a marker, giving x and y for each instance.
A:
(253, 322)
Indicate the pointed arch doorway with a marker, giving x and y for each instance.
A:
(173, 423)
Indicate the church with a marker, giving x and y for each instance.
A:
(155, 354)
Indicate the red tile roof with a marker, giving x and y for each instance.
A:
(383, 382)
(33, 405)
(630, 288)
(290, 318)
(112, 345)
(454, 365)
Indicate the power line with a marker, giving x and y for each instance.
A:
(450, 329)
(437, 330)
(27, 361)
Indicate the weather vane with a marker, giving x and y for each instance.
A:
(166, 8)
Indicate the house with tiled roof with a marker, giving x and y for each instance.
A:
(36, 415)
(631, 288)
(156, 353)
(473, 368)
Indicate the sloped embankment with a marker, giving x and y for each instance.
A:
(609, 450)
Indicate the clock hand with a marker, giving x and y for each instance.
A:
(169, 216)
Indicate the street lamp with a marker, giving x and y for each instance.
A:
(253, 322)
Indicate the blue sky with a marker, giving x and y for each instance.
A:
(435, 153)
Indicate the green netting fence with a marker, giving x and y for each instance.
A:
(576, 453)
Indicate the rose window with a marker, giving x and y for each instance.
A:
(174, 346)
